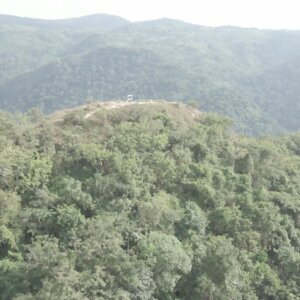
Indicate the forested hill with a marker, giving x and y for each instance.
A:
(250, 75)
(148, 200)
(27, 44)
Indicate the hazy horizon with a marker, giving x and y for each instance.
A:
(264, 15)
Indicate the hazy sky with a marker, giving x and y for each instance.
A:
(276, 14)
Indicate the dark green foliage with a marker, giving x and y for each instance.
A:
(150, 201)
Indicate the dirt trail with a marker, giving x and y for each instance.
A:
(115, 104)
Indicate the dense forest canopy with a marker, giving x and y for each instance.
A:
(249, 75)
(146, 201)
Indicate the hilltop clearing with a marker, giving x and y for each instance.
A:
(88, 110)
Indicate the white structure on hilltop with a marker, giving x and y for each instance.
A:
(129, 97)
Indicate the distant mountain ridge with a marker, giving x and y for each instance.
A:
(249, 75)
(92, 22)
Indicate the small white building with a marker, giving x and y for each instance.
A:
(129, 97)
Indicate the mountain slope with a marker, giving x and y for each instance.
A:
(27, 44)
(107, 73)
(279, 93)
(25, 49)
(233, 71)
